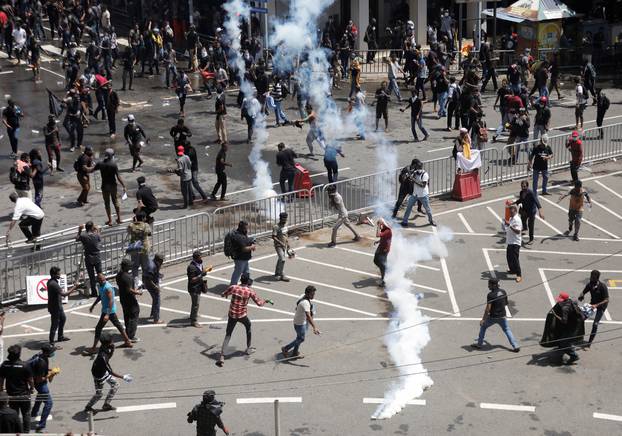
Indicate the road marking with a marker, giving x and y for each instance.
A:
(419, 265)
(277, 183)
(564, 253)
(295, 296)
(415, 402)
(495, 214)
(450, 288)
(607, 416)
(550, 226)
(52, 72)
(141, 407)
(493, 235)
(598, 182)
(615, 214)
(343, 268)
(38, 418)
(37, 329)
(545, 282)
(465, 223)
(166, 309)
(224, 300)
(38, 318)
(339, 288)
(513, 407)
(90, 315)
(7, 72)
(268, 400)
(584, 220)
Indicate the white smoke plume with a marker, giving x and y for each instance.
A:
(238, 12)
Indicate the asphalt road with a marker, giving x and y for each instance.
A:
(347, 368)
(156, 110)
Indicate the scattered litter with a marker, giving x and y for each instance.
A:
(160, 136)
(147, 105)
(124, 119)
(167, 144)
(36, 132)
(60, 83)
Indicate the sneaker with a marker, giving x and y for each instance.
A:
(404, 224)
(88, 409)
(433, 223)
(72, 149)
(356, 238)
(476, 346)
(572, 360)
(285, 353)
(213, 197)
(196, 325)
(60, 169)
(298, 355)
(529, 242)
(546, 193)
(519, 279)
(134, 340)
(284, 279)
(63, 339)
(567, 232)
(250, 350)
(515, 350)
(331, 244)
(575, 238)
(107, 407)
(220, 363)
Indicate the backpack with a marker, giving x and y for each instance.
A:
(228, 244)
(585, 93)
(17, 178)
(77, 164)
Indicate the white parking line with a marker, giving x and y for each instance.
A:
(495, 214)
(297, 296)
(450, 288)
(615, 214)
(564, 253)
(268, 400)
(343, 268)
(584, 220)
(550, 226)
(7, 72)
(37, 329)
(364, 253)
(492, 235)
(90, 315)
(224, 300)
(415, 402)
(512, 407)
(545, 282)
(598, 182)
(607, 416)
(52, 72)
(313, 282)
(465, 223)
(141, 407)
(277, 183)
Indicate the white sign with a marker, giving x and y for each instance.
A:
(37, 289)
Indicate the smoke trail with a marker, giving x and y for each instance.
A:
(238, 12)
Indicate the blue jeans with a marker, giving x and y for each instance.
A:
(43, 396)
(301, 331)
(241, 267)
(425, 201)
(278, 112)
(501, 322)
(12, 134)
(393, 87)
(417, 122)
(442, 99)
(545, 179)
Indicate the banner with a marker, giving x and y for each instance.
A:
(37, 289)
(469, 164)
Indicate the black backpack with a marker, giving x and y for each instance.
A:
(17, 178)
(77, 164)
(228, 244)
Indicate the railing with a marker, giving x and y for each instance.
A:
(176, 239)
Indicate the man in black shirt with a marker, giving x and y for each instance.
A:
(191, 152)
(103, 373)
(221, 165)
(180, 133)
(9, 419)
(599, 299)
(243, 248)
(110, 174)
(539, 162)
(10, 117)
(382, 105)
(92, 260)
(55, 306)
(147, 202)
(207, 415)
(495, 313)
(19, 384)
(129, 59)
(285, 159)
(542, 119)
(83, 166)
(127, 297)
(40, 367)
(132, 134)
(530, 206)
(196, 285)
(416, 112)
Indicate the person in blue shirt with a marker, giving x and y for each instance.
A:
(109, 313)
(330, 161)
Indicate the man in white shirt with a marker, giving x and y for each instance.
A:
(513, 229)
(580, 105)
(19, 38)
(342, 215)
(302, 318)
(420, 192)
(394, 69)
(31, 217)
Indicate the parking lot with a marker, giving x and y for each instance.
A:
(347, 368)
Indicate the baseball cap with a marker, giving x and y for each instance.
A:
(575, 134)
(180, 150)
(130, 117)
(563, 296)
(109, 152)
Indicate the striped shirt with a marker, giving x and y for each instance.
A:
(239, 300)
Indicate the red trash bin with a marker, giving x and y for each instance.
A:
(302, 181)
(466, 186)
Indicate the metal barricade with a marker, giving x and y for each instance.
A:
(442, 172)
(489, 172)
(261, 215)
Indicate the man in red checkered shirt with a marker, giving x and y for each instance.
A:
(240, 294)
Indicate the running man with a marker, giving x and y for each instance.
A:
(575, 208)
(303, 317)
(238, 312)
(336, 203)
(315, 134)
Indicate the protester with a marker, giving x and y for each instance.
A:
(564, 327)
(184, 171)
(285, 159)
(575, 208)
(281, 246)
(240, 294)
(305, 312)
(9, 419)
(147, 202)
(336, 203)
(575, 146)
(20, 175)
(151, 282)
(191, 152)
(602, 106)
(110, 175)
(420, 192)
(138, 232)
(89, 236)
(495, 312)
(581, 103)
(84, 165)
(132, 134)
(513, 229)
(55, 306)
(221, 114)
(242, 247)
(539, 159)
(29, 215)
(127, 298)
(42, 373)
(416, 116)
(52, 144)
(197, 285)
(221, 175)
(180, 133)
(383, 97)
(383, 231)
(599, 300)
(11, 116)
(529, 207)
(16, 379)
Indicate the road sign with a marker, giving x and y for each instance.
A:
(37, 289)
(259, 10)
